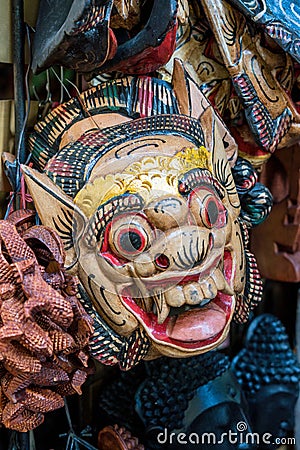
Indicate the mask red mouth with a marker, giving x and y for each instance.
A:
(190, 328)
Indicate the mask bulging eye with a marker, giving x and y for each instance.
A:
(130, 235)
(210, 212)
(130, 239)
(207, 208)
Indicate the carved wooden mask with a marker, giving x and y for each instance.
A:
(147, 209)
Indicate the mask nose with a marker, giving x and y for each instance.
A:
(178, 249)
(167, 212)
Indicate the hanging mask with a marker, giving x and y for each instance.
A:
(131, 37)
(136, 179)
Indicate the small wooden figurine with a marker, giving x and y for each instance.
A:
(117, 438)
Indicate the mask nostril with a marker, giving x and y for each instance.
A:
(161, 261)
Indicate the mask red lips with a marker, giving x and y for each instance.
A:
(192, 328)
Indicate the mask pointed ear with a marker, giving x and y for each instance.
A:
(56, 210)
(214, 126)
(191, 101)
(216, 141)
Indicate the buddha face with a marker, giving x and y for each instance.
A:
(273, 397)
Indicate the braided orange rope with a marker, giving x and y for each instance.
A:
(44, 330)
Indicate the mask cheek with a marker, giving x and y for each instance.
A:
(236, 247)
(99, 280)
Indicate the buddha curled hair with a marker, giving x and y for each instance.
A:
(267, 357)
(171, 384)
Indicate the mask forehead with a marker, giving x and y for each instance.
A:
(72, 167)
(150, 176)
(134, 150)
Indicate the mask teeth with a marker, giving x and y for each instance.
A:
(222, 283)
(145, 303)
(162, 309)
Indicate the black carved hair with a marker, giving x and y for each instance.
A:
(267, 357)
(172, 383)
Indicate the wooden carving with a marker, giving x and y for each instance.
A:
(198, 396)
(239, 65)
(279, 19)
(145, 201)
(268, 372)
(117, 438)
(278, 238)
(244, 73)
(128, 36)
(44, 330)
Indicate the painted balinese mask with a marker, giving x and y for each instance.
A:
(147, 207)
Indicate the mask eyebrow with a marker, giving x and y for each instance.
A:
(196, 177)
(106, 211)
